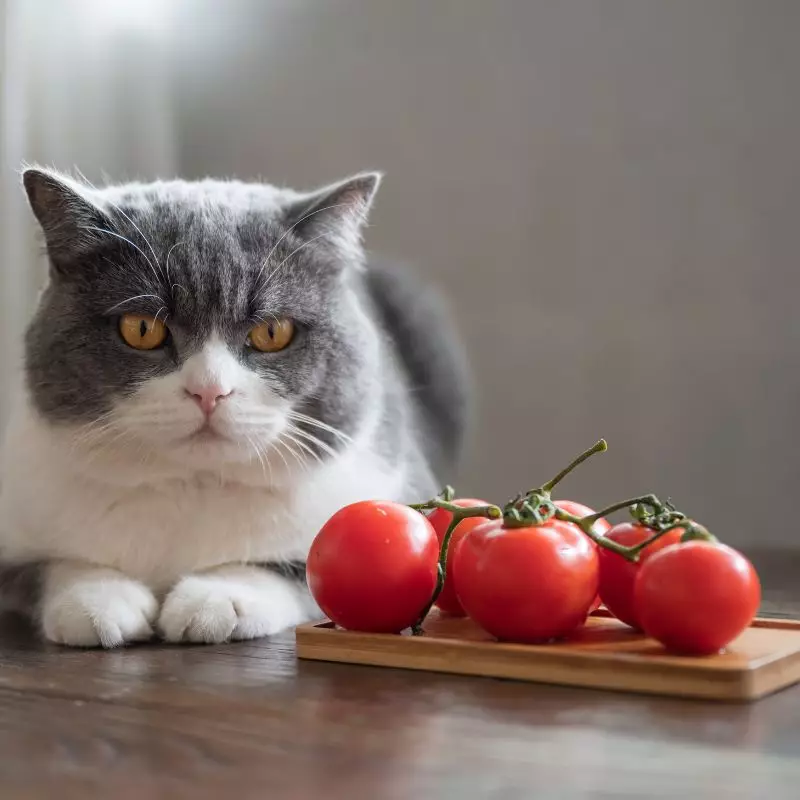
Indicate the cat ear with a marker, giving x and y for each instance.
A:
(335, 214)
(67, 217)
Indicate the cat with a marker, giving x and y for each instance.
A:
(213, 369)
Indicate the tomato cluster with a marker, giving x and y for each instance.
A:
(533, 571)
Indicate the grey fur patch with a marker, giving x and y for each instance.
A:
(20, 586)
(291, 570)
(430, 356)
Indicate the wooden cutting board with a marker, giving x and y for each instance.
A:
(604, 655)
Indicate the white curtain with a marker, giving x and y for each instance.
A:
(84, 84)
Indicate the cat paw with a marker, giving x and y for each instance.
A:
(232, 603)
(96, 608)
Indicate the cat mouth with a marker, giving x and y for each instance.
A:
(205, 433)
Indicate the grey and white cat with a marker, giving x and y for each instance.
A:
(172, 485)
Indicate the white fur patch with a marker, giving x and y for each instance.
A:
(233, 602)
(87, 606)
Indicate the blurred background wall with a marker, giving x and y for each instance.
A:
(607, 192)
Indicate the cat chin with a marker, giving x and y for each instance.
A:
(212, 452)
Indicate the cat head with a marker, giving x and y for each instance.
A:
(207, 323)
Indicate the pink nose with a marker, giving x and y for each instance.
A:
(207, 397)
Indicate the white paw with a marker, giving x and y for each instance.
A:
(230, 603)
(94, 607)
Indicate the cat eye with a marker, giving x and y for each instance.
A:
(142, 332)
(271, 336)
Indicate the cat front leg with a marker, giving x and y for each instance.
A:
(235, 601)
(83, 605)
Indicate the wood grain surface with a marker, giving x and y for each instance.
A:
(605, 654)
(250, 720)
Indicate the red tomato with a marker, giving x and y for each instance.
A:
(373, 566)
(696, 597)
(526, 584)
(600, 527)
(618, 575)
(447, 600)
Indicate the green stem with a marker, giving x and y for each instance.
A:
(585, 524)
(691, 531)
(637, 548)
(598, 447)
(489, 511)
(459, 513)
(447, 495)
(694, 531)
(647, 500)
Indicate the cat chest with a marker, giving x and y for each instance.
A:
(158, 536)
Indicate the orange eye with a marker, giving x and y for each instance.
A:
(141, 332)
(271, 336)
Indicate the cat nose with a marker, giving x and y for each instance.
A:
(208, 396)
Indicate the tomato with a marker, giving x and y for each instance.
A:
(373, 567)
(526, 584)
(600, 527)
(618, 575)
(447, 600)
(696, 597)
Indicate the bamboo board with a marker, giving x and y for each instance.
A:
(604, 655)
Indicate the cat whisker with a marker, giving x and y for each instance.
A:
(269, 467)
(326, 448)
(97, 420)
(95, 453)
(287, 232)
(297, 457)
(296, 415)
(303, 446)
(90, 437)
(92, 430)
(258, 455)
(294, 252)
(131, 299)
(269, 314)
(143, 454)
(125, 239)
(163, 308)
(83, 177)
(169, 253)
(277, 449)
(120, 435)
(89, 446)
(138, 230)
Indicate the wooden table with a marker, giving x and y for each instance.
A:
(247, 720)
